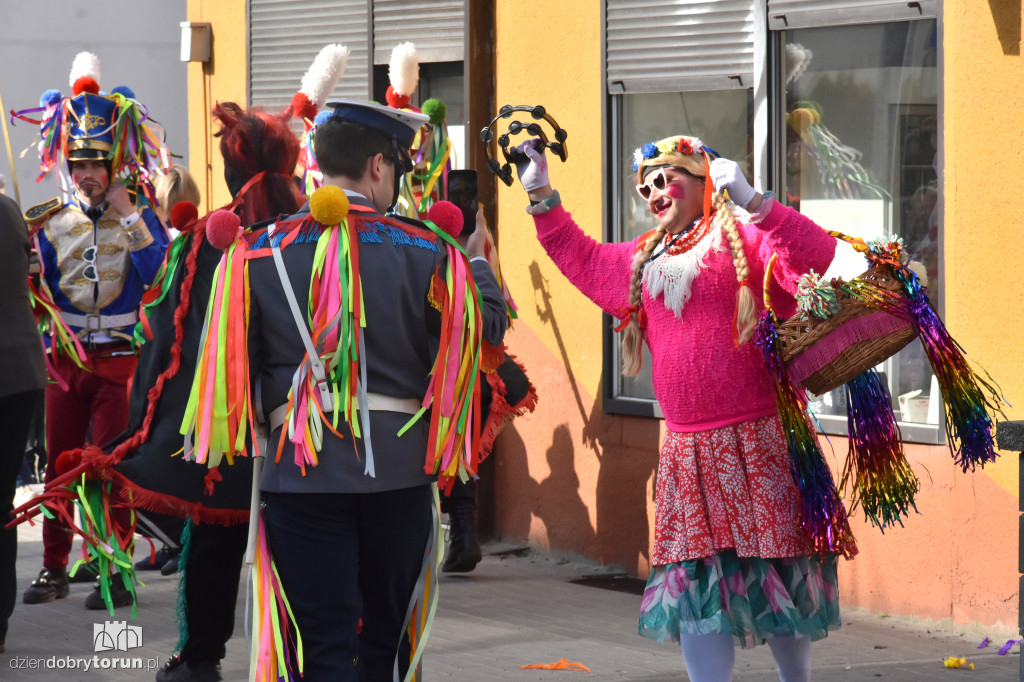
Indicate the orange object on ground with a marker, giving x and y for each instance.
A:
(560, 665)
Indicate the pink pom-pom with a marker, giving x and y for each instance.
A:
(222, 229)
(182, 214)
(447, 216)
(85, 84)
(303, 107)
(395, 100)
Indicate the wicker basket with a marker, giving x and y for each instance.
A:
(824, 354)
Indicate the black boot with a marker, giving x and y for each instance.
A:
(463, 546)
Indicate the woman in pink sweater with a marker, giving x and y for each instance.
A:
(730, 563)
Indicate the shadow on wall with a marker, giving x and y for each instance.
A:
(1007, 17)
(626, 452)
(555, 500)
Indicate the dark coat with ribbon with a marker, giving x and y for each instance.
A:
(398, 260)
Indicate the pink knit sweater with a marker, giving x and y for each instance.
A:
(700, 379)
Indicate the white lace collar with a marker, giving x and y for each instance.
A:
(672, 276)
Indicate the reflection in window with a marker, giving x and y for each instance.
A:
(721, 119)
(860, 157)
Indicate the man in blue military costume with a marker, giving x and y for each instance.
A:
(98, 252)
(369, 518)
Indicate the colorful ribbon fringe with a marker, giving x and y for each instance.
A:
(822, 515)
(277, 640)
(842, 175)
(218, 409)
(87, 486)
(453, 395)
(335, 316)
(969, 400)
(876, 468)
(62, 338)
(137, 152)
(157, 292)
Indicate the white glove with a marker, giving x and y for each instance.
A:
(726, 176)
(533, 173)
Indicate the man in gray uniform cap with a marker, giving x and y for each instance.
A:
(349, 546)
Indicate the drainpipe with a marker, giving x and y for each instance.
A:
(1010, 436)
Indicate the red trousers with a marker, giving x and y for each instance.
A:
(96, 399)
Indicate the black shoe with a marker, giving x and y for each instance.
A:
(156, 563)
(119, 595)
(171, 567)
(463, 547)
(177, 670)
(50, 585)
(86, 572)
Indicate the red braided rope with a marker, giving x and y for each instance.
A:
(140, 436)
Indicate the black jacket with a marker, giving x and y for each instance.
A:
(402, 331)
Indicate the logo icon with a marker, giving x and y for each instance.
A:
(116, 635)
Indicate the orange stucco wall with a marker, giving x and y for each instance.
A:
(222, 79)
(572, 479)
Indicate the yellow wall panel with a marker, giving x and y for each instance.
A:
(223, 79)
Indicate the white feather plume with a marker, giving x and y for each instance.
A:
(920, 270)
(324, 72)
(404, 68)
(85, 64)
(798, 58)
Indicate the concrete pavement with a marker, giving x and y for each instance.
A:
(518, 607)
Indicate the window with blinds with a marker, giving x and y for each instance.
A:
(732, 72)
(440, 28)
(687, 45)
(790, 14)
(285, 36)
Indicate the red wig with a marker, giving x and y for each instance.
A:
(254, 142)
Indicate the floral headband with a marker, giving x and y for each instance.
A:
(680, 144)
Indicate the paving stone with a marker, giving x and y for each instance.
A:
(514, 609)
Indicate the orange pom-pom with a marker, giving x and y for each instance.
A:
(303, 107)
(183, 214)
(85, 84)
(447, 216)
(222, 229)
(395, 100)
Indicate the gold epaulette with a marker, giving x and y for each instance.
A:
(41, 212)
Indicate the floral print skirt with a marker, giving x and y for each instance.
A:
(727, 488)
(748, 597)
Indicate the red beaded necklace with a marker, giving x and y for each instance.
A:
(676, 244)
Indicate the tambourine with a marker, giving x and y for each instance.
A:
(504, 171)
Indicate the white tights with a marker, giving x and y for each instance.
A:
(710, 658)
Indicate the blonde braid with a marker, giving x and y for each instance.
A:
(632, 337)
(746, 306)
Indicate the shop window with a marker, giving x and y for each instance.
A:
(868, 168)
(723, 119)
(860, 153)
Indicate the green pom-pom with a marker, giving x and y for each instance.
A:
(436, 110)
(816, 296)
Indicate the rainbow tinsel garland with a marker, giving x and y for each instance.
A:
(822, 515)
